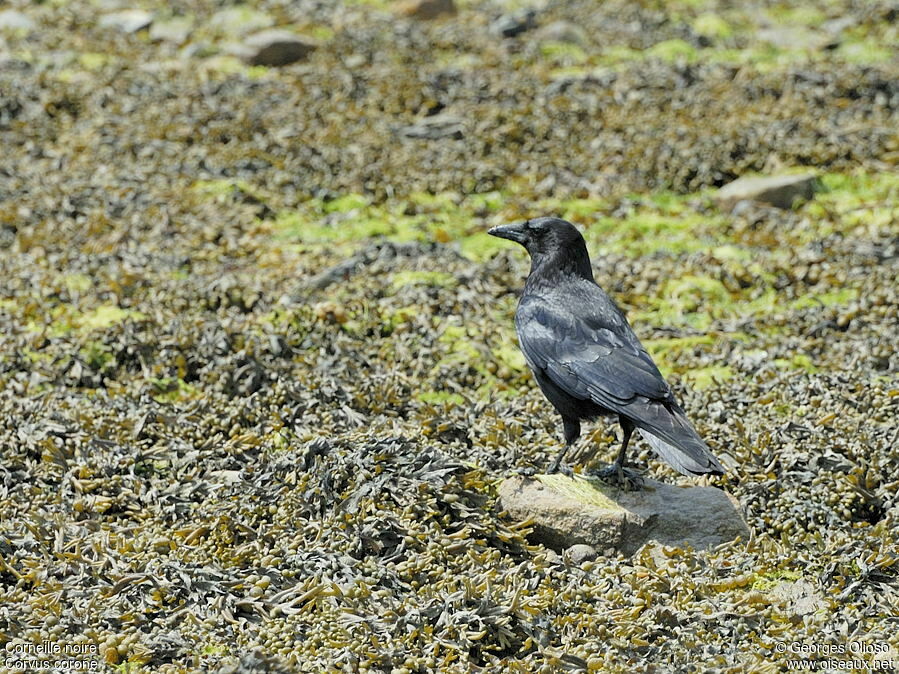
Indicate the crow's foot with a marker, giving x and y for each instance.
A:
(619, 476)
(559, 467)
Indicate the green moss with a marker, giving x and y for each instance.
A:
(93, 60)
(575, 209)
(670, 203)
(704, 377)
(215, 649)
(585, 490)
(768, 580)
(674, 5)
(853, 192)
(436, 279)
(617, 54)
(691, 293)
(799, 361)
(763, 58)
(797, 16)
(300, 226)
(563, 52)
(323, 33)
(667, 351)
(828, 299)
(457, 338)
(732, 253)
(443, 217)
(673, 51)
(865, 51)
(35, 356)
(105, 316)
(712, 25)
(231, 65)
(172, 389)
(481, 246)
(129, 667)
(664, 222)
(79, 283)
(648, 231)
(490, 201)
(380, 4)
(444, 201)
(225, 188)
(97, 355)
(468, 351)
(511, 356)
(440, 398)
(347, 203)
(661, 347)
(689, 301)
(851, 203)
(398, 317)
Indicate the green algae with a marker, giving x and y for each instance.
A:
(169, 390)
(586, 490)
(712, 25)
(768, 580)
(440, 398)
(434, 279)
(673, 50)
(106, 315)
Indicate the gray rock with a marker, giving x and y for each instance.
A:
(563, 31)
(436, 127)
(127, 21)
(567, 511)
(512, 25)
(791, 37)
(837, 26)
(580, 553)
(176, 30)
(276, 48)
(800, 598)
(240, 20)
(13, 20)
(552, 557)
(780, 191)
(427, 9)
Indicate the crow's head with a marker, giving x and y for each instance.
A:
(543, 236)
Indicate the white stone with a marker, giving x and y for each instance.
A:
(781, 190)
(568, 511)
(13, 20)
(127, 21)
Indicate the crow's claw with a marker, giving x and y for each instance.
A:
(621, 477)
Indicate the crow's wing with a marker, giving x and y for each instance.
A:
(592, 354)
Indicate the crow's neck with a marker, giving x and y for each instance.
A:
(550, 268)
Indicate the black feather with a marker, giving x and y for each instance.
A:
(584, 354)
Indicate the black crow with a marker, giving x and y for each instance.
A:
(585, 357)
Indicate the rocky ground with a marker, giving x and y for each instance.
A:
(258, 376)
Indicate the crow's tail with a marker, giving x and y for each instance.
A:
(669, 432)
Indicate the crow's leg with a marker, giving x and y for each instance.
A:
(617, 473)
(557, 467)
(627, 427)
(572, 433)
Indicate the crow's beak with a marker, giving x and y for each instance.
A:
(514, 232)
